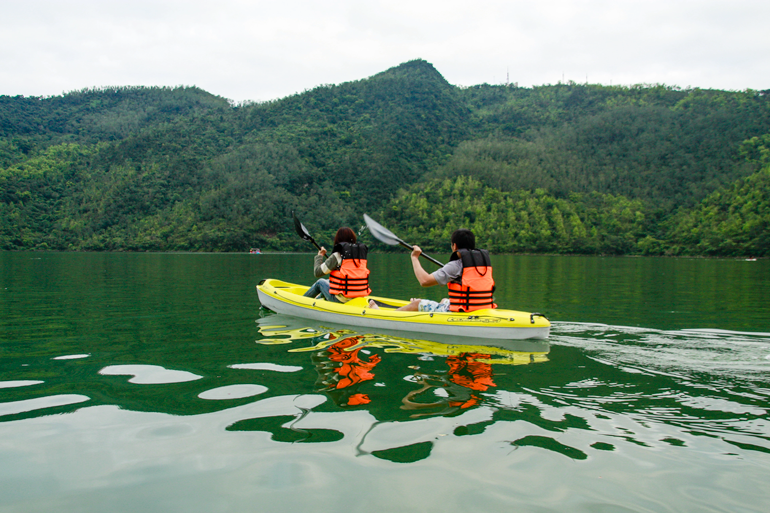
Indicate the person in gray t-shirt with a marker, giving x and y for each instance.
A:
(461, 239)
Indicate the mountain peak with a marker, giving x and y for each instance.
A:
(414, 69)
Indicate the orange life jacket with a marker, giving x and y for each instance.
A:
(474, 288)
(352, 278)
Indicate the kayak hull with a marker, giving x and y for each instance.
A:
(286, 298)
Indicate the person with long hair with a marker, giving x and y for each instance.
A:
(346, 267)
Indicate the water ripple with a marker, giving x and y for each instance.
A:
(20, 383)
(40, 403)
(233, 392)
(266, 366)
(149, 374)
(718, 352)
(71, 357)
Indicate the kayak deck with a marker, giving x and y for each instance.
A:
(286, 298)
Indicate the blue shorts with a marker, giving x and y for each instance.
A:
(426, 305)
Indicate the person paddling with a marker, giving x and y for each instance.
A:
(468, 277)
(349, 275)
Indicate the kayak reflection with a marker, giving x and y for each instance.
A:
(346, 359)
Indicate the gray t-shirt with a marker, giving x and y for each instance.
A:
(449, 272)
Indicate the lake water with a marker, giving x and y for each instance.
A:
(154, 382)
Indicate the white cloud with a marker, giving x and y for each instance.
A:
(262, 50)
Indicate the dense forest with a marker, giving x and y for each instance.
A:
(565, 168)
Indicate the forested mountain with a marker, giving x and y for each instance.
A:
(730, 221)
(567, 168)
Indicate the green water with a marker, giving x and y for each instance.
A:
(154, 382)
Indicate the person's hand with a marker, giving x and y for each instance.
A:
(416, 251)
(322, 251)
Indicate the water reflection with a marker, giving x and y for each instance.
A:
(149, 374)
(616, 385)
(20, 383)
(346, 360)
(285, 422)
(40, 404)
(341, 370)
(387, 373)
(232, 392)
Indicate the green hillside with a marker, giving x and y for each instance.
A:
(733, 221)
(567, 168)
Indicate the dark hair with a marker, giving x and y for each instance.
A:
(345, 234)
(464, 239)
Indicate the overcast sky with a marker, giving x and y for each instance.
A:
(262, 50)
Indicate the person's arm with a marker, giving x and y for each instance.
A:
(426, 279)
(321, 268)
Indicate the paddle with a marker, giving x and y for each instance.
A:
(384, 235)
(302, 231)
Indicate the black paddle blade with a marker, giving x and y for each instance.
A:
(302, 231)
(300, 228)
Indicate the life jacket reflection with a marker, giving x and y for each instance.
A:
(474, 289)
(465, 370)
(352, 278)
(348, 372)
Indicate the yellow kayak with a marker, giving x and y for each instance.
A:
(287, 298)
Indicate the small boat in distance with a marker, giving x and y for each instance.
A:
(255, 251)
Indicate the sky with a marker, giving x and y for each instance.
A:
(264, 50)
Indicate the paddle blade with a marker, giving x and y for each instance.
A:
(384, 235)
(381, 233)
(302, 231)
(300, 228)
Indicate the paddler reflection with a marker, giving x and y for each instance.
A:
(352, 368)
(341, 370)
(468, 373)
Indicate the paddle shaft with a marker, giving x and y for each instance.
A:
(427, 257)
